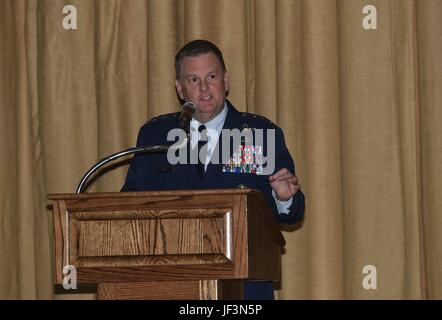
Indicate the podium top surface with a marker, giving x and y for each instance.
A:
(167, 193)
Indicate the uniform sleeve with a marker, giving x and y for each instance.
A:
(283, 159)
(138, 166)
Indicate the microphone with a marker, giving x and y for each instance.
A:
(188, 110)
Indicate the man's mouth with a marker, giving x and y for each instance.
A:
(206, 98)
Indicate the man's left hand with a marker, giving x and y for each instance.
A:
(285, 184)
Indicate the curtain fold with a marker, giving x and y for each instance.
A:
(25, 270)
(360, 110)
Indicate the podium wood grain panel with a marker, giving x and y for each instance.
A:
(150, 237)
(172, 290)
(167, 290)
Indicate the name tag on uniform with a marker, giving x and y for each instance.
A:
(164, 169)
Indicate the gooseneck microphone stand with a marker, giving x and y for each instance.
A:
(189, 109)
(102, 162)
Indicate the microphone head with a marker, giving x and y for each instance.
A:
(189, 106)
(188, 110)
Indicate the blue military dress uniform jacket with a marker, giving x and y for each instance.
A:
(154, 172)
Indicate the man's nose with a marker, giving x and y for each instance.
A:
(203, 85)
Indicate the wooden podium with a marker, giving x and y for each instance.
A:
(193, 244)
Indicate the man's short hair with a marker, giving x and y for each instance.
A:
(195, 48)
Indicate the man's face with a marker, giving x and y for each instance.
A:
(203, 82)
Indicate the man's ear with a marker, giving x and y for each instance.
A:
(226, 81)
(179, 89)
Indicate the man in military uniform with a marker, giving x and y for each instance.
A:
(201, 78)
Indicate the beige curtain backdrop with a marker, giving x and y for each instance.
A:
(361, 111)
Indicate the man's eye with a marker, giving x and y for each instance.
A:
(212, 76)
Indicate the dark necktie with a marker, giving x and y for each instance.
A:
(202, 152)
